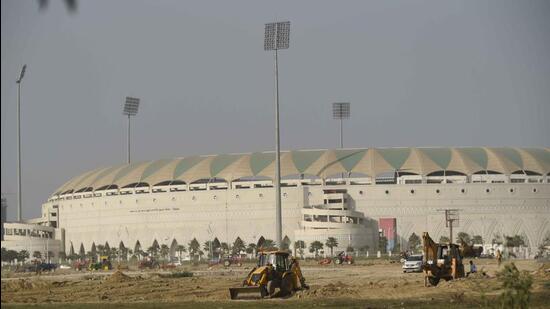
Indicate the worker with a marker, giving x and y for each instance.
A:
(473, 268)
(499, 257)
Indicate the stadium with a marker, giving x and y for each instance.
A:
(354, 195)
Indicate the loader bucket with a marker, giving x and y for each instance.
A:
(234, 292)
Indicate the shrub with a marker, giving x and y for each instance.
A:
(517, 287)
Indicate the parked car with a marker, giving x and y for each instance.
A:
(413, 263)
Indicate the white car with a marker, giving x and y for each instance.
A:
(413, 264)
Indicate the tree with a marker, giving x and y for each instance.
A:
(514, 241)
(22, 255)
(251, 248)
(477, 239)
(238, 246)
(100, 249)
(331, 243)
(299, 246)
(37, 255)
(465, 237)
(315, 246)
(444, 240)
(153, 251)
(414, 242)
(194, 247)
(382, 244)
(268, 244)
(164, 251)
(497, 240)
(349, 248)
(225, 248)
(285, 243)
(180, 249)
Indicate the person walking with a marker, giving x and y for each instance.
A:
(499, 257)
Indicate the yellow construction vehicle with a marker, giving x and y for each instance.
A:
(275, 270)
(441, 261)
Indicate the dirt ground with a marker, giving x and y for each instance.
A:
(371, 283)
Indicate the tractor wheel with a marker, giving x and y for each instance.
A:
(226, 263)
(286, 285)
(337, 261)
(271, 286)
(433, 280)
(263, 291)
(350, 262)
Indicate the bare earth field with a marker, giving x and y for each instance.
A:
(366, 284)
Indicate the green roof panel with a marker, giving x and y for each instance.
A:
(349, 158)
(476, 154)
(396, 157)
(154, 167)
(260, 160)
(221, 162)
(303, 159)
(185, 164)
(511, 154)
(441, 156)
(539, 154)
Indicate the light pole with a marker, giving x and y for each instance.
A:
(130, 109)
(277, 37)
(341, 111)
(19, 194)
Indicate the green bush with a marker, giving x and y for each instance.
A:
(517, 287)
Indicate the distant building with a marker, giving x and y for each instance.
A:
(345, 193)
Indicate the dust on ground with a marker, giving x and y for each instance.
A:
(363, 281)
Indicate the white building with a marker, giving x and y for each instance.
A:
(325, 193)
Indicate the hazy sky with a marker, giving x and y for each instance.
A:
(417, 73)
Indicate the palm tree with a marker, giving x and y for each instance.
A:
(180, 249)
(194, 247)
(164, 251)
(299, 245)
(331, 243)
(315, 246)
(238, 246)
(37, 255)
(251, 248)
(414, 242)
(285, 243)
(268, 244)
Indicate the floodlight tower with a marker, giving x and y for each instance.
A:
(19, 194)
(341, 111)
(131, 107)
(277, 37)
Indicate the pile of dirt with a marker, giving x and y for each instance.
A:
(23, 284)
(543, 271)
(336, 289)
(118, 277)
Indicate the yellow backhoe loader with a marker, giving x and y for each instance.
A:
(275, 270)
(441, 261)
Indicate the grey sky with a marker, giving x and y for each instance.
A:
(418, 73)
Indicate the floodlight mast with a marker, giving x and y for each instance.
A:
(19, 187)
(131, 107)
(341, 111)
(277, 37)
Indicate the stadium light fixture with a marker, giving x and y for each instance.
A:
(19, 187)
(341, 111)
(277, 36)
(131, 107)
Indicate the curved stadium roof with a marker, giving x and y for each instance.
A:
(321, 163)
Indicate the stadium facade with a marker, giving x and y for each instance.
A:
(344, 193)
